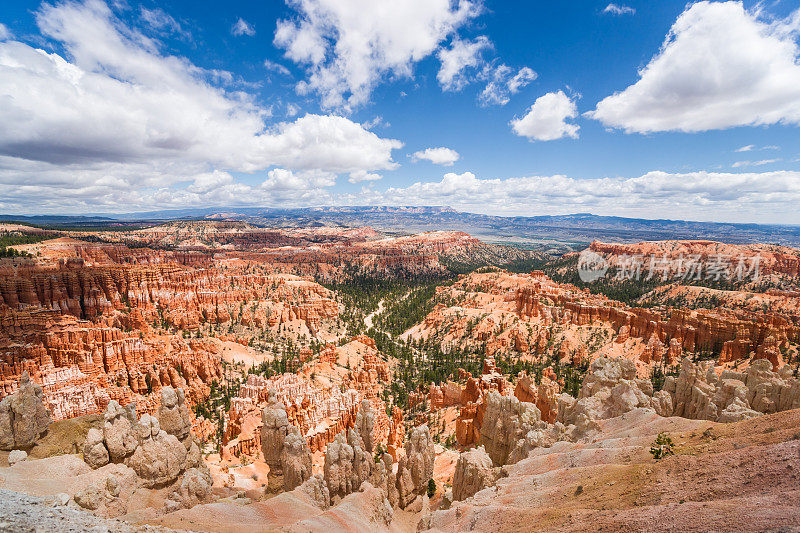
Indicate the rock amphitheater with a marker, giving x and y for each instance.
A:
(200, 376)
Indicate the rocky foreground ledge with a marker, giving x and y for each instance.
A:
(22, 513)
(742, 476)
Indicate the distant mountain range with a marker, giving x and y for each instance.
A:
(537, 231)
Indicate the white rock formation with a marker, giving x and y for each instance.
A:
(159, 457)
(474, 471)
(23, 416)
(295, 459)
(119, 432)
(16, 456)
(140, 454)
(511, 428)
(699, 393)
(416, 467)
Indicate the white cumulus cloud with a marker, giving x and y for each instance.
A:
(347, 48)
(210, 181)
(375, 122)
(546, 119)
(463, 63)
(437, 156)
(285, 180)
(764, 197)
(502, 83)
(113, 123)
(616, 9)
(457, 59)
(362, 175)
(292, 109)
(242, 27)
(720, 66)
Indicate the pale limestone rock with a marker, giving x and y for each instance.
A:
(347, 464)
(542, 436)
(693, 392)
(416, 467)
(152, 458)
(447, 500)
(566, 407)
(627, 396)
(23, 416)
(317, 490)
(6, 432)
(113, 485)
(727, 391)
(670, 385)
(363, 463)
(606, 373)
(295, 459)
(610, 389)
(94, 449)
(338, 467)
(159, 458)
(505, 422)
(379, 478)
(474, 471)
(419, 505)
(194, 457)
(274, 429)
(109, 495)
(699, 393)
(391, 481)
(117, 489)
(62, 498)
(789, 395)
(119, 432)
(89, 498)
(16, 456)
(365, 423)
(662, 403)
(736, 411)
(763, 386)
(174, 416)
(366, 510)
(194, 487)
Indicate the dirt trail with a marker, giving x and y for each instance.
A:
(369, 318)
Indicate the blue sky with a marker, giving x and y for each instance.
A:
(134, 106)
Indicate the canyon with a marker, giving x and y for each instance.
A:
(217, 375)
(532, 316)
